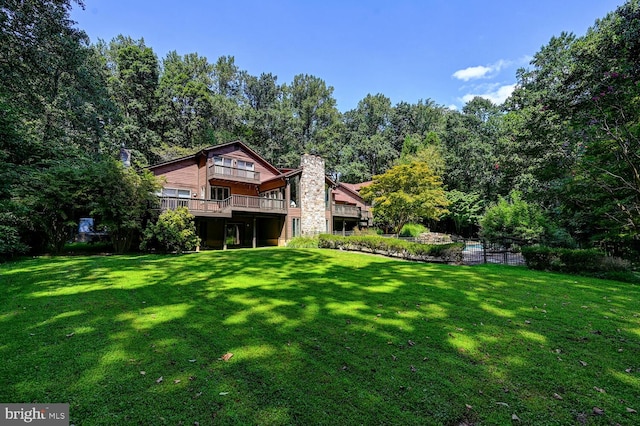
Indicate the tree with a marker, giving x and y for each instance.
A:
(368, 140)
(133, 81)
(174, 231)
(465, 210)
(513, 221)
(406, 193)
(185, 104)
(122, 200)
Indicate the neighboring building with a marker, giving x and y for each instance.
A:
(240, 200)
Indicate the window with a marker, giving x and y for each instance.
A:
(245, 169)
(220, 193)
(179, 193)
(244, 165)
(222, 165)
(295, 191)
(183, 194)
(295, 227)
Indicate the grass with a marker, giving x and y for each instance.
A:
(317, 337)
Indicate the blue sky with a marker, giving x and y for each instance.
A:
(443, 50)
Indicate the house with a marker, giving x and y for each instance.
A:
(240, 200)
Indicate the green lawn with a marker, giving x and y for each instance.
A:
(317, 337)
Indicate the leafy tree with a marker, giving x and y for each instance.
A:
(465, 210)
(315, 118)
(133, 80)
(513, 221)
(122, 201)
(185, 102)
(369, 138)
(406, 193)
(174, 231)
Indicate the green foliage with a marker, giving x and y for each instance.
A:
(174, 231)
(578, 261)
(465, 209)
(412, 230)
(393, 247)
(303, 242)
(122, 201)
(513, 219)
(404, 193)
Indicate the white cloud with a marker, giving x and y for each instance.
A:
(471, 73)
(453, 107)
(496, 96)
(480, 71)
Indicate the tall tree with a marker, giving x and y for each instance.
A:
(314, 111)
(133, 81)
(405, 193)
(185, 110)
(368, 148)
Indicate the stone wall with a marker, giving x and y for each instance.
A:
(312, 195)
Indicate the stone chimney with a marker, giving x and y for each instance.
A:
(312, 196)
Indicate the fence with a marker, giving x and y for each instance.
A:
(476, 252)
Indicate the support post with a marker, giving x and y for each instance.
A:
(254, 232)
(224, 235)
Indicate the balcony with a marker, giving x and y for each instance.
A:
(224, 208)
(346, 210)
(197, 207)
(232, 174)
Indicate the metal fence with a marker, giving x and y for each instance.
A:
(477, 252)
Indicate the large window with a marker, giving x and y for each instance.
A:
(183, 194)
(173, 192)
(245, 169)
(295, 227)
(222, 165)
(294, 185)
(220, 192)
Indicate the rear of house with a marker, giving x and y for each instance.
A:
(240, 200)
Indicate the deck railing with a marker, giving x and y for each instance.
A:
(246, 202)
(194, 204)
(199, 206)
(224, 172)
(346, 210)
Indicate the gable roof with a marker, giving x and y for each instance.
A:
(205, 152)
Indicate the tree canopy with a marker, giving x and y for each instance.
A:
(567, 139)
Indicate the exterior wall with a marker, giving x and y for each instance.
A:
(312, 195)
(181, 175)
(235, 152)
(342, 195)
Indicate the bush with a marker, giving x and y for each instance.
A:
(394, 247)
(175, 231)
(412, 230)
(303, 242)
(577, 261)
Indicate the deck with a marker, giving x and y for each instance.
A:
(224, 208)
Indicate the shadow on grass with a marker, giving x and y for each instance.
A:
(318, 337)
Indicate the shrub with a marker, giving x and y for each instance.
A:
(577, 261)
(412, 230)
(303, 242)
(394, 247)
(175, 231)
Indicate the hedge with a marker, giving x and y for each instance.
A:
(578, 261)
(449, 253)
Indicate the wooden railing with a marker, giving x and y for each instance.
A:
(346, 210)
(224, 172)
(223, 208)
(195, 205)
(249, 203)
